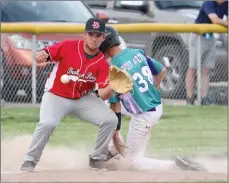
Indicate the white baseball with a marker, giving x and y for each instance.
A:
(65, 78)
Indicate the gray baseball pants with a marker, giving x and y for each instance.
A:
(89, 108)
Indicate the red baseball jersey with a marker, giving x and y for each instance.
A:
(84, 73)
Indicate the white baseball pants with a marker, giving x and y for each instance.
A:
(139, 132)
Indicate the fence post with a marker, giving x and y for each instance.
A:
(198, 70)
(34, 97)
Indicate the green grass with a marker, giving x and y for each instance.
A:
(182, 130)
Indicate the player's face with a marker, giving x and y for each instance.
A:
(108, 53)
(108, 58)
(94, 40)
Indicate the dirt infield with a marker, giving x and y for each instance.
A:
(62, 164)
(111, 176)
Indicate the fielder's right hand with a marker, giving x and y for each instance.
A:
(41, 56)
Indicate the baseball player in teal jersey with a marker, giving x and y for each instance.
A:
(143, 102)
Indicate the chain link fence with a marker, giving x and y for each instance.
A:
(176, 51)
(172, 50)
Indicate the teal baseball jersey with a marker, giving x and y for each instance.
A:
(144, 96)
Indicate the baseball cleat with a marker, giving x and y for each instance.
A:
(97, 164)
(186, 164)
(28, 166)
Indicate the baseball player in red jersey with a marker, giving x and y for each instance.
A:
(84, 66)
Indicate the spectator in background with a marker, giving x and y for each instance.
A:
(211, 12)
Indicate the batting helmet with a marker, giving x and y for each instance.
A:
(112, 39)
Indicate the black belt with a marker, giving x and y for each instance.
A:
(153, 109)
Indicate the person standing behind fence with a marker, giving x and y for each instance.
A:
(82, 60)
(211, 12)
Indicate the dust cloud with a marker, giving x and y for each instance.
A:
(13, 151)
(214, 164)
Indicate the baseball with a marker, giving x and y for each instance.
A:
(65, 78)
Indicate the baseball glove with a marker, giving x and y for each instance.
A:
(120, 80)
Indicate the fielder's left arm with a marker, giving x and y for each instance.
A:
(104, 90)
(105, 93)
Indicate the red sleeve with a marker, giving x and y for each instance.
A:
(103, 75)
(56, 51)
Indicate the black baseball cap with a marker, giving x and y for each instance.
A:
(95, 25)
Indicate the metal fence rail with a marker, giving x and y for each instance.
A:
(22, 81)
